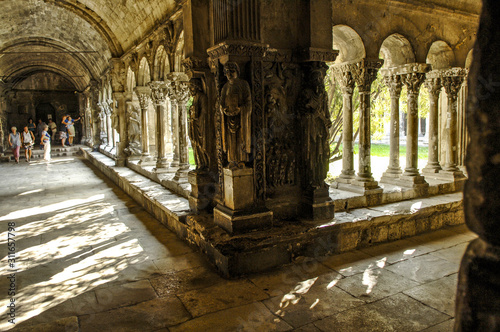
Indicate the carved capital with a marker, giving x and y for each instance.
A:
(143, 94)
(394, 84)
(193, 63)
(413, 81)
(344, 78)
(178, 88)
(248, 49)
(159, 91)
(452, 80)
(433, 83)
(365, 72)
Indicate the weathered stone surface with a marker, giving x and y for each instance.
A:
(437, 294)
(395, 313)
(151, 315)
(207, 300)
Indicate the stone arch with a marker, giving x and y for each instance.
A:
(348, 43)
(161, 64)
(396, 50)
(143, 74)
(179, 53)
(440, 55)
(469, 59)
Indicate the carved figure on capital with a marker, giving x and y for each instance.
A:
(315, 124)
(198, 128)
(236, 126)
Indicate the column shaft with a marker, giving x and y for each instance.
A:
(175, 133)
(393, 82)
(433, 85)
(183, 142)
(411, 168)
(364, 172)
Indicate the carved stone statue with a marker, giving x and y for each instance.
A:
(198, 124)
(316, 122)
(134, 132)
(236, 107)
(115, 121)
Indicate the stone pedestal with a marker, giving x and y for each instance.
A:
(181, 175)
(203, 189)
(368, 187)
(239, 213)
(318, 205)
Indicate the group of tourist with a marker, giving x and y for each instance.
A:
(45, 133)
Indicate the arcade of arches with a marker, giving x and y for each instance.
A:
(241, 85)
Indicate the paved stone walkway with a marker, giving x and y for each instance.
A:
(90, 259)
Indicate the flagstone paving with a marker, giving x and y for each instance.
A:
(89, 258)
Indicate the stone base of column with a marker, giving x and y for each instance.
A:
(369, 187)
(203, 190)
(390, 175)
(318, 205)
(456, 175)
(181, 175)
(412, 181)
(146, 160)
(238, 214)
(238, 222)
(478, 291)
(431, 169)
(345, 178)
(161, 166)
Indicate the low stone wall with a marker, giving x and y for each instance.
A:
(285, 241)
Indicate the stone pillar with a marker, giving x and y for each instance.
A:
(143, 93)
(413, 75)
(478, 292)
(452, 80)
(393, 82)
(159, 97)
(344, 78)
(109, 128)
(174, 115)
(433, 85)
(365, 73)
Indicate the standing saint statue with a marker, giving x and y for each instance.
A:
(236, 107)
(198, 123)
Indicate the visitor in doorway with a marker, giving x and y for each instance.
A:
(53, 129)
(15, 143)
(45, 141)
(71, 129)
(31, 126)
(40, 127)
(28, 139)
(63, 131)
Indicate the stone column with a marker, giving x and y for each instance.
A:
(393, 82)
(143, 94)
(344, 78)
(122, 127)
(478, 300)
(109, 129)
(159, 97)
(365, 73)
(413, 75)
(452, 80)
(174, 115)
(180, 91)
(433, 85)
(101, 136)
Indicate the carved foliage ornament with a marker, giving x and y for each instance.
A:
(365, 72)
(394, 84)
(158, 92)
(452, 80)
(344, 77)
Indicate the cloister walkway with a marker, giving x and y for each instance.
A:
(88, 258)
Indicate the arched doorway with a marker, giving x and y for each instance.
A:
(45, 111)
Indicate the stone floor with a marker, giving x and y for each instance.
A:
(90, 259)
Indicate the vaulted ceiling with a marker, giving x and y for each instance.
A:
(72, 38)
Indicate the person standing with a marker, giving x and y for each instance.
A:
(31, 126)
(53, 129)
(63, 130)
(40, 127)
(28, 139)
(45, 141)
(71, 129)
(15, 143)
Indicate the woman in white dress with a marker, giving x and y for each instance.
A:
(45, 141)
